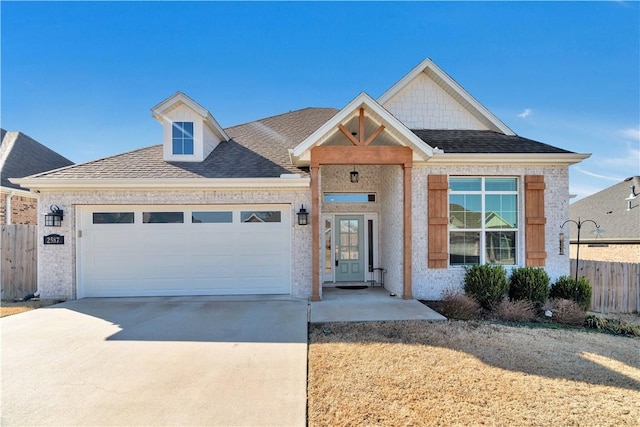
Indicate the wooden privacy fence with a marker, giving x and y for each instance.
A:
(19, 250)
(616, 285)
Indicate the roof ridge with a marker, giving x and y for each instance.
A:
(281, 114)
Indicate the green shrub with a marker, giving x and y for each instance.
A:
(529, 283)
(487, 284)
(566, 288)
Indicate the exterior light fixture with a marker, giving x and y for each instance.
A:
(561, 241)
(53, 218)
(303, 216)
(354, 175)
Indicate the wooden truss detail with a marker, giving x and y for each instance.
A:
(361, 141)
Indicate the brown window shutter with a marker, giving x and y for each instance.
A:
(438, 186)
(534, 220)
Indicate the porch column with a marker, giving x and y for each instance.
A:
(315, 234)
(407, 292)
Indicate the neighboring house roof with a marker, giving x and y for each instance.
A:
(613, 210)
(22, 156)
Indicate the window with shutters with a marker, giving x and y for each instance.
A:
(483, 220)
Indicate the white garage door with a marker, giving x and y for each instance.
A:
(184, 250)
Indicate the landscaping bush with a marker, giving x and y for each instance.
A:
(487, 284)
(529, 283)
(566, 311)
(614, 326)
(566, 288)
(516, 311)
(455, 304)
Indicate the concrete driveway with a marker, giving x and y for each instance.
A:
(156, 361)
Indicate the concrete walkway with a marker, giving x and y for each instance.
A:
(156, 361)
(370, 304)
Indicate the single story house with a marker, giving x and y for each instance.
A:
(419, 183)
(616, 210)
(22, 156)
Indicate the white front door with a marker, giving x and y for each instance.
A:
(184, 250)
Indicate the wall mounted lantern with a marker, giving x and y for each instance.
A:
(53, 218)
(303, 216)
(354, 175)
(561, 241)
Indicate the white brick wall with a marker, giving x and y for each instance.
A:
(57, 263)
(424, 105)
(429, 283)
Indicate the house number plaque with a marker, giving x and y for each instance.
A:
(54, 239)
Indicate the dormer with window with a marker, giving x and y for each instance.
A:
(190, 132)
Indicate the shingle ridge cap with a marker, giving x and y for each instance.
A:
(280, 114)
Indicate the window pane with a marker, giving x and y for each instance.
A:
(500, 184)
(187, 128)
(327, 246)
(501, 211)
(211, 217)
(177, 146)
(465, 184)
(465, 211)
(260, 216)
(162, 217)
(464, 248)
(349, 197)
(501, 247)
(113, 217)
(188, 146)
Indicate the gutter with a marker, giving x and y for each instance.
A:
(285, 181)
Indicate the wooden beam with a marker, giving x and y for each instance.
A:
(315, 235)
(374, 135)
(407, 291)
(361, 136)
(360, 155)
(346, 133)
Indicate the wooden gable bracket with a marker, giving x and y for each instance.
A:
(361, 141)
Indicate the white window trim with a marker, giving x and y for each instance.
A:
(483, 230)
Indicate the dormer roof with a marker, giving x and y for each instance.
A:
(160, 111)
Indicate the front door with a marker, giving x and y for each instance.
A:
(349, 248)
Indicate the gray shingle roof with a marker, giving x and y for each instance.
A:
(259, 149)
(22, 156)
(482, 141)
(256, 150)
(609, 209)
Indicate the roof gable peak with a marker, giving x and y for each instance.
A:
(428, 68)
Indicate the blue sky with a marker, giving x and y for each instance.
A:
(81, 77)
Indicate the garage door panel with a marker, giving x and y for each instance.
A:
(186, 258)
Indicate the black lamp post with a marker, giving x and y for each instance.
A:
(579, 225)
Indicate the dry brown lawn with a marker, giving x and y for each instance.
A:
(8, 308)
(469, 373)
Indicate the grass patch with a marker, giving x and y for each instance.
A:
(469, 373)
(9, 308)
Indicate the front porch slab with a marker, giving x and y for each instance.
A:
(367, 305)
